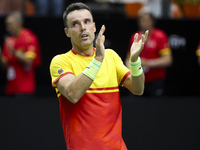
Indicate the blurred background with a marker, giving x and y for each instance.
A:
(168, 122)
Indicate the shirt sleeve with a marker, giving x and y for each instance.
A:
(59, 68)
(31, 47)
(164, 48)
(122, 70)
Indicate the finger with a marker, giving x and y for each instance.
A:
(144, 38)
(101, 32)
(136, 38)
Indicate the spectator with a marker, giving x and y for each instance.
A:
(46, 7)
(20, 56)
(156, 55)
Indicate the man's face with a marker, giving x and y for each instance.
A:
(81, 28)
(145, 22)
(12, 26)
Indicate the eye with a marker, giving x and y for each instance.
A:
(75, 24)
(87, 21)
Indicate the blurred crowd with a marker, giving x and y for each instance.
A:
(159, 8)
(20, 52)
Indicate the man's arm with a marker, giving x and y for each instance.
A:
(136, 83)
(18, 54)
(23, 58)
(163, 61)
(73, 88)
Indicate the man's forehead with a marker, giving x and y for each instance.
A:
(79, 15)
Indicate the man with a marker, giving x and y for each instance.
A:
(155, 57)
(86, 81)
(19, 57)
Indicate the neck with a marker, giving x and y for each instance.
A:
(18, 32)
(84, 51)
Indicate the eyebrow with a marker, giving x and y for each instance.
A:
(78, 20)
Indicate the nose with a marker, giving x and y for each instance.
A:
(82, 26)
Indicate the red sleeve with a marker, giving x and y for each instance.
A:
(163, 42)
(32, 48)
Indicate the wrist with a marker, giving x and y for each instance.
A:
(92, 69)
(136, 68)
(151, 63)
(99, 58)
(134, 59)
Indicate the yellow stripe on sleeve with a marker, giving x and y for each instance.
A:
(198, 52)
(165, 51)
(59, 94)
(30, 54)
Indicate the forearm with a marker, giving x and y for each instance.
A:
(76, 86)
(75, 89)
(127, 63)
(160, 62)
(135, 81)
(137, 84)
(22, 58)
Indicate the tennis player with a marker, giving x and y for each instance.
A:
(86, 81)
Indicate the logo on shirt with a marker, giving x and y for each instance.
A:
(60, 71)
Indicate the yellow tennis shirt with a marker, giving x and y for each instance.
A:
(95, 121)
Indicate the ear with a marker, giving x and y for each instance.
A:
(67, 32)
(94, 27)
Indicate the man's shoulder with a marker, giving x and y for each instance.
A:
(159, 32)
(28, 36)
(61, 57)
(111, 53)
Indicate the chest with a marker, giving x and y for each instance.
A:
(106, 76)
(151, 47)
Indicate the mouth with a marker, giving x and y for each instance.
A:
(84, 36)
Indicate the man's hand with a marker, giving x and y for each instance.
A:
(10, 45)
(100, 48)
(137, 47)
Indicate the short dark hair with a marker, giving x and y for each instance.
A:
(73, 7)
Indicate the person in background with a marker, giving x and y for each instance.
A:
(198, 53)
(20, 56)
(156, 55)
